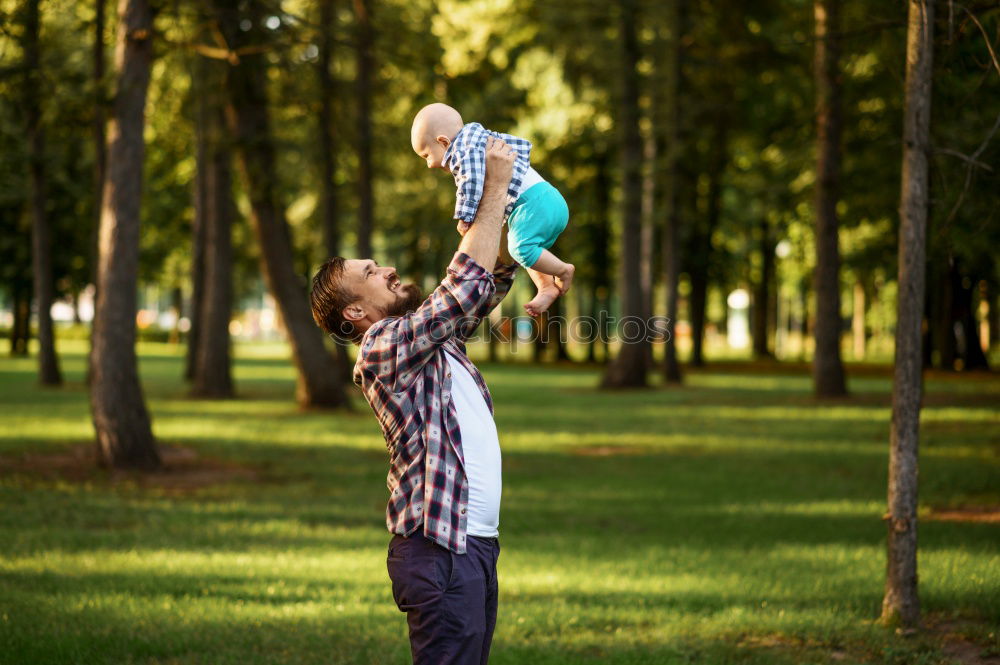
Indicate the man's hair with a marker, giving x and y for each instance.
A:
(328, 299)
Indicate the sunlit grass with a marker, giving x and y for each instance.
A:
(736, 519)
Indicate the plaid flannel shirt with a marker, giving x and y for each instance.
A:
(466, 159)
(404, 374)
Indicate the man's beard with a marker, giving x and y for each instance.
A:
(409, 298)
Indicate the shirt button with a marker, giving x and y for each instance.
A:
(463, 511)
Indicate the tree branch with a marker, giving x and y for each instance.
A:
(968, 173)
(986, 37)
(970, 160)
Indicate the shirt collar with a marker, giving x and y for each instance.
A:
(451, 148)
(449, 152)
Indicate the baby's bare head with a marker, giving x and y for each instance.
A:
(434, 128)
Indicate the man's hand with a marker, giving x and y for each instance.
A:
(499, 165)
(482, 241)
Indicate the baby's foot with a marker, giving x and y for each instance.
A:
(542, 300)
(565, 279)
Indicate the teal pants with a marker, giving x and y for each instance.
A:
(538, 217)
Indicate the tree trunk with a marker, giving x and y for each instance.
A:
(493, 342)
(177, 307)
(762, 293)
(212, 375)
(512, 311)
(541, 342)
(330, 220)
(700, 258)
(858, 320)
(944, 316)
(592, 341)
(318, 383)
(698, 303)
(76, 308)
(100, 140)
(41, 233)
(971, 349)
(557, 327)
(628, 369)
(124, 433)
(601, 256)
(901, 603)
(20, 331)
(671, 214)
(100, 155)
(647, 240)
(363, 92)
(828, 371)
(804, 321)
(203, 91)
(772, 303)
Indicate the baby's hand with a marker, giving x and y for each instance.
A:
(463, 227)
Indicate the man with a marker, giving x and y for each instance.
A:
(437, 418)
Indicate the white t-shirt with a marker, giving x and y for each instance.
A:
(530, 178)
(481, 449)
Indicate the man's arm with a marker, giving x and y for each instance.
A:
(503, 278)
(503, 275)
(395, 351)
(490, 215)
(482, 241)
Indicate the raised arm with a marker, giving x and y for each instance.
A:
(482, 241)
(503, 276)
(394, 350)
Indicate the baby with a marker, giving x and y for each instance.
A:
(536, 212)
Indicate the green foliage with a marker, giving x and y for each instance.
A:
(69, 182)
(546, 71)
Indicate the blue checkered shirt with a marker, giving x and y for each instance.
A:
(466, 159)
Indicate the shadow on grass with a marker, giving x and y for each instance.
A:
(711, 499)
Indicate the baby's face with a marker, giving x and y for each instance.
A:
(432, 151)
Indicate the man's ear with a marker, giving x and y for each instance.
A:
(443, 140)
(354, 312)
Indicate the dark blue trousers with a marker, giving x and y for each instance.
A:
(450, 599)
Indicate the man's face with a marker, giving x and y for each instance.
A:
(379, 291)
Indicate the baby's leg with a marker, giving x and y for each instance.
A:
(552, 277)
(547, 293)
(550, 264)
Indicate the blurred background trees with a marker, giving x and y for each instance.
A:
(707, 180)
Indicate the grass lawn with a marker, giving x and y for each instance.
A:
(735, 520)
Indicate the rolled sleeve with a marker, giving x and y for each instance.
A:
(394, 350)
(464, 267)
